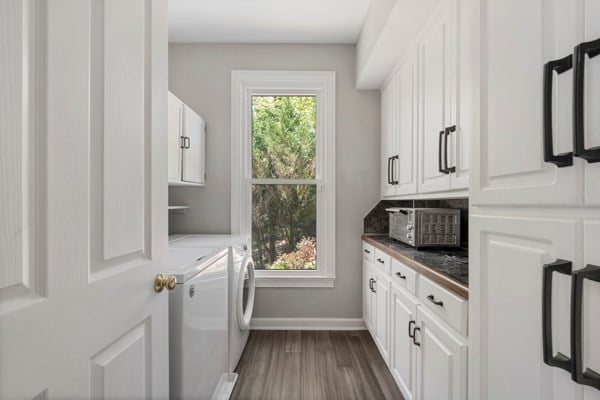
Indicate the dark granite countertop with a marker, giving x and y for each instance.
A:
(448, 267)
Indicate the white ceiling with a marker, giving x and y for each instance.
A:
(266, 21)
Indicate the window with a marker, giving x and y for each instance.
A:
(283, 181)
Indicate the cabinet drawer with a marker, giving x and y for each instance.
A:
(447, 305)
(404, 276)
(368, 252)
(382, 261)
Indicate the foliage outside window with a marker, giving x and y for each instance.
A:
(284, 211)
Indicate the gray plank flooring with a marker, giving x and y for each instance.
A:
(313, 365)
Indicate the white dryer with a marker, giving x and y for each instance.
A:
(241, 285)
(199, 324)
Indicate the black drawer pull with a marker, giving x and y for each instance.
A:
(592, 49)
(367, 251)
(560, 66)
(399, 275)
(447, 133)
(559, 360)
(440, 168)
(414, 336)
(588, 376)
(379, 260)
(432, 299)
(393, 180)
(389, 161)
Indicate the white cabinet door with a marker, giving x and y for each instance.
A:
(441, 360)
(591, 306)
(402, 358)
(388, 139)
(83, 227)
(194, 149)
(175, 141)
(505, 306)
(382, 300)
(437, 103)
(367, 295)
(509, 147)
(406, 164)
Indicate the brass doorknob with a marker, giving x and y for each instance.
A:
(162, 281)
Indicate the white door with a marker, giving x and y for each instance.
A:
(84, 199)
(175, 130)
(505, 308)
(403, 319)
(366, 295)
(382, 298)
(406, 163)
(388, 140)
(194, 149)
(509, 146)
(436, 105)
(441, 360)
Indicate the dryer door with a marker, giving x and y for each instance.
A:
(245, 315)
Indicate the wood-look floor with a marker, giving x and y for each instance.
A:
(313, 365)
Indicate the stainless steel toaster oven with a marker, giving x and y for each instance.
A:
(425, 227)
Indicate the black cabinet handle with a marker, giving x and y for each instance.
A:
(414, 336)
(399, 275)
(371, 284)
(182, 142)
(560, 66)
(367, 251)
(592, 49)
(394, 159)
(188, 142)
(379, 260)
(559, 360)
(389, 180)
(588, 377)
(410, 323)
(432, 299)
(447, 133)
(440, 168)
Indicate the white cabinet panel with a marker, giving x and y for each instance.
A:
(509, 146)
(406, 164)
(403, 310)
(382, 298)
(175, 133)
(441, 360)
(194, 151)
(367, 295)
(506, 306)
(388, 137)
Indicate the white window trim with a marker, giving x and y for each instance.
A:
(244, 85)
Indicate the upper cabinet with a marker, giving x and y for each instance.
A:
(425, 113)
(187, 138)
(539, 138)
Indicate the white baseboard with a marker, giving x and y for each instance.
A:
(308, 324)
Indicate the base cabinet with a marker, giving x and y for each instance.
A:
(403, 351)
(441, 360)
(382, 298)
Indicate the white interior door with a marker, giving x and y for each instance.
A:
(84, 198)
(194, 151)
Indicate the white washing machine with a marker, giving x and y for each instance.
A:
(199, 324)
(241, 285)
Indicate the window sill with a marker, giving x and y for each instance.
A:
(292, 280)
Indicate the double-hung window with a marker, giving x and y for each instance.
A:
(283, 174)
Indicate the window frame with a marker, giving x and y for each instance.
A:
(321, 84)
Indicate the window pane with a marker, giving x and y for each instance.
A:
(284, 226)
(283, 137)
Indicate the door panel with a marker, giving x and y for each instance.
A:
(509, 148)
(403, 310)
(407, 126)
(366, 295)
(591, 306)
(382, 295)
(441, 360)
(193, 154)
(505, 307)
(388, 142)
(433, 118)
(88, 194)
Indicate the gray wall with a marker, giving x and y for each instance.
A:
(199, 74)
